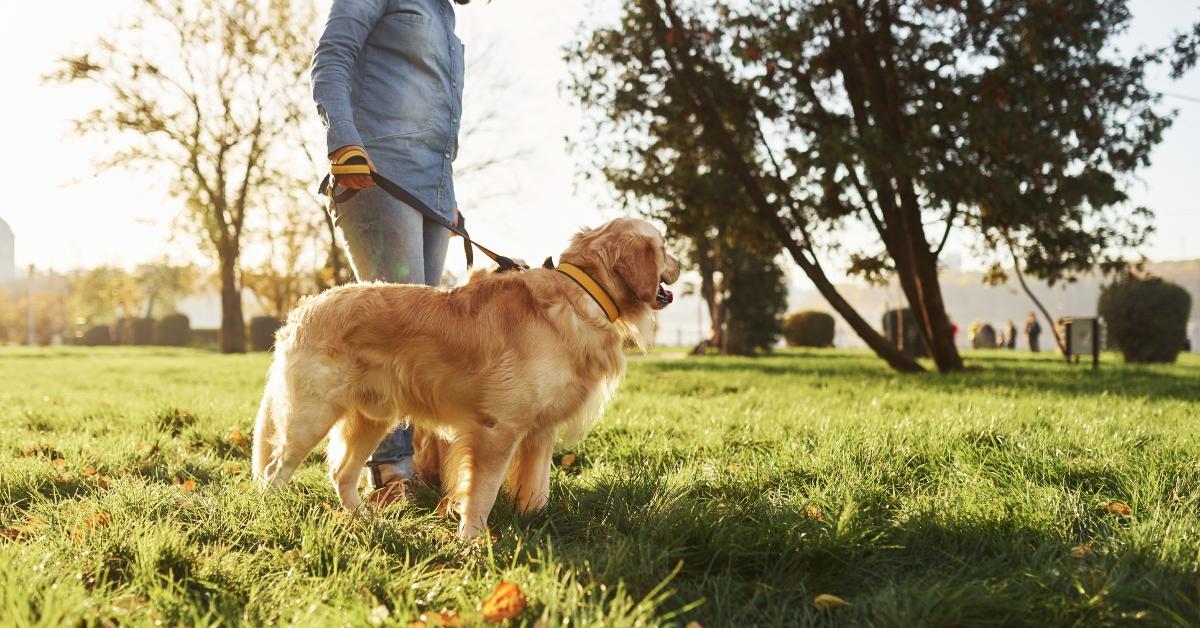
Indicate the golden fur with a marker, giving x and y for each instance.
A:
(496, 370)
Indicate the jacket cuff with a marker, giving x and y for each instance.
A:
(342, 134)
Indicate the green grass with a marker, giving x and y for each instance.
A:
(726, 491)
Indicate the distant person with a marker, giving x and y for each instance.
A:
(1033, 331)
(1010, 335)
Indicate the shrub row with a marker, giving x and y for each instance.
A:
(174, 330)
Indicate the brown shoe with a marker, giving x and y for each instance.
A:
(395, 492)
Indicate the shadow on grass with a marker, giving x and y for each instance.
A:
(758, 562)
(991, 372)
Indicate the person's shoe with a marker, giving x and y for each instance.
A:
(390, 484)
(393, 492)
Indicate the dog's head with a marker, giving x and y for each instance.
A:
(628, 257)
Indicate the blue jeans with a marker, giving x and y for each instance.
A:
(387, 240)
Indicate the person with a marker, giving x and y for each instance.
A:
(1010, 335)
(1033, 330)
(387, 78)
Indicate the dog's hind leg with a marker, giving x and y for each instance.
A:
(299, 430)
(350, 444)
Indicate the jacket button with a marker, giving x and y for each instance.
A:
(446, 155)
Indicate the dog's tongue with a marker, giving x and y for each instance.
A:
(664, 296)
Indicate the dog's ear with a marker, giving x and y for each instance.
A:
(636, 267)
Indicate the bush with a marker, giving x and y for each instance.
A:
(97, 336)
(1146, 318)
(140, 331)
(809, 328)
(262, 332)
(900, 328)
(174, 330)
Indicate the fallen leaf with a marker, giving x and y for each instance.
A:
(188, 486)
(105, 405)
(1081, 551)
(828, 600)
(102, 483)
(812, 512)
(233, 467)
(58, 462)
(238, 439)
(694, 624)
(90, 471)
(1119, 508)
(97, 520)
(506, 602)
(567, 461)
(13, 534)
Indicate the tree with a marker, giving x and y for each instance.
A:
(283, 277)
(215, 94)
(162, 285)
(1015, 120)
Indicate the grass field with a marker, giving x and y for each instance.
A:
(723, 491)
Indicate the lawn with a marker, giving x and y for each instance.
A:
(724, 491)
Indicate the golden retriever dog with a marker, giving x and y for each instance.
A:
(498, 369)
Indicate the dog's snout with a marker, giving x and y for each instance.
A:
(671, 273)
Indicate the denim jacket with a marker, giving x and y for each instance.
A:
(388, 75)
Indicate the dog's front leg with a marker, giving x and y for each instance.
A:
(529, 477)
(486, 452)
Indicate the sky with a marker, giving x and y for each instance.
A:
(67, 216)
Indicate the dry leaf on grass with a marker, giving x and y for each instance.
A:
(187, 486)
(97, 520)
(694, 624)
(567, 461)
(238, 439)
(506, 602)
(233, 467)
(828, 600)
(812, 512)
(1081, 551)
(1119, 508)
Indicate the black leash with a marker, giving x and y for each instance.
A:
(355, 162)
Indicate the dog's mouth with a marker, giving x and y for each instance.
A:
(664, 296)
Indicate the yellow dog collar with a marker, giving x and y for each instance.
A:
(595, 290)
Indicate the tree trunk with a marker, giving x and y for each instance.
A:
(233, 324)
(706, 260)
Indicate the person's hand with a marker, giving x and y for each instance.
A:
(353, 181)
(457, 222)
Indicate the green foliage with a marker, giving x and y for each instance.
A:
(173, 330)
(900, 328)
(748, 486)
(1021, 121)
(755, 305)
(97, 336)
(809, 328)
(1146, 317)
(262, 332)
